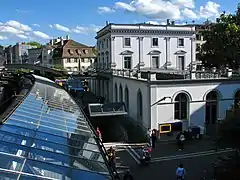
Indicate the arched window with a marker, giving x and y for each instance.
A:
(127, 98)
(116, 93)
(139, 105)
(237, 99)
(120, 93)
(211, 111)
(181, 107)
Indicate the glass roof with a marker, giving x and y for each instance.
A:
(110, 109)
(48, 137)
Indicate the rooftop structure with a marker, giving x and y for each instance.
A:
(47, 136)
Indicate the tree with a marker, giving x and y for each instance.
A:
(222, 46)
(34, 43)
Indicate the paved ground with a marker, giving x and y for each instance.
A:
(196, 157)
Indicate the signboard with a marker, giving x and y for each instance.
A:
(165, 128)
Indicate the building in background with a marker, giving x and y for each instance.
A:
(33, 55)
(153, 69)
(20, 53)
(2, 50)
(8, 54)
(72, 56)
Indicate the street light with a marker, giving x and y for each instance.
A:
(163, 99)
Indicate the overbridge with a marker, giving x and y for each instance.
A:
(41, 69)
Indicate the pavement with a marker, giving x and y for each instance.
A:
(197, 156)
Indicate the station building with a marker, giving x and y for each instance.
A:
(153, 69)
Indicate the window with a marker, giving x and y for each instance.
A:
(68, 60)
(154, 41)
(198, 37)
(107, 42)
(82, 60)
(103, 44)
(180, 42)
(181, 107)
(155, 61)
(127, 62)
(180, 62)
(127, 42)
(198, 46)
(75, 60)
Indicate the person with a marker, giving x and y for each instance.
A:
(99, 134)
(112, 156)
(180, 172)
(180, 139)
(149, 136)
(154, 138)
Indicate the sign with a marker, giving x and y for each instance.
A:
(165, 128)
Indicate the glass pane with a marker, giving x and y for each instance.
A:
(16, 139)
(14, 149)
(4, 175)
(10, 162)
(21, 124)
(17, 130)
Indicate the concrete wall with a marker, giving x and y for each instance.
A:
(196, 92)
(133, 88)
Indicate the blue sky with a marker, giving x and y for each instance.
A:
(26, 20)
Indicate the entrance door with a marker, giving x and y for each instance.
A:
(211, 113)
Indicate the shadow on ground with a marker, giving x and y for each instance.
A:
(113, 128)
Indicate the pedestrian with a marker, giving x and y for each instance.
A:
(154, 138)
(180, 172)
(149, 136)
(99, 134)
(180, 141)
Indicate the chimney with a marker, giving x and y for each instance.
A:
(107, 23)
(61, 42)
(173, 22)
(51, 42)
(67, 37)
(168, 21)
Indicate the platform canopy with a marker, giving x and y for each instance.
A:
(110, 109)
(49, 137)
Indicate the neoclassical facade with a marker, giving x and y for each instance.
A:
(153, 70)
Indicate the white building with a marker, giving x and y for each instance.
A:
(46, 55)
(166, 87)
(33, 55)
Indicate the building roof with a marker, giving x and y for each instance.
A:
(73, 49)
(48, 137)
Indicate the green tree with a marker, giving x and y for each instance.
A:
(34, 43)
(222, 38)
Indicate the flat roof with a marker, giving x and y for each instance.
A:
(48, 137)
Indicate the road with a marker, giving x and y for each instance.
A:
(196, 157)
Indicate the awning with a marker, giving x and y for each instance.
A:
(110, 109)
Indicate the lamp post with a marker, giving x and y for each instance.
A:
(160, 100)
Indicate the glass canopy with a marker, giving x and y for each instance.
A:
(48, 137)
(110, 109)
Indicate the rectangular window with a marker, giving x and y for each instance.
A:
(181, 42)
(107, 43)
(181, 62)
(155, 61)
(127, 62)
(154, 41)
(127, 42)
(68, 60)
(75, 60)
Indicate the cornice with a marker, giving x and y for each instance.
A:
(153, 32)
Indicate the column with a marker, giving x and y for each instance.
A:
(112, 51)
(193, 50)
(168, 61)
(141, 61)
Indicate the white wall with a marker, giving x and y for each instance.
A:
(197, 92)
(133, 87)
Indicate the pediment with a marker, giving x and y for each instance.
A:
(180, 52)
(154, 52)
(127, 52)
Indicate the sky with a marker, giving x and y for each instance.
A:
(30, 20)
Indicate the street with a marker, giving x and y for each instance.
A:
(196, 157)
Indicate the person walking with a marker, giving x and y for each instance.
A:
(180, 172)
(180, 141)
(149, 136)
(99, 134)
(154, 138)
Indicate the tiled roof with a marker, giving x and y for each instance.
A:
(73, 49)
(48, 137)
